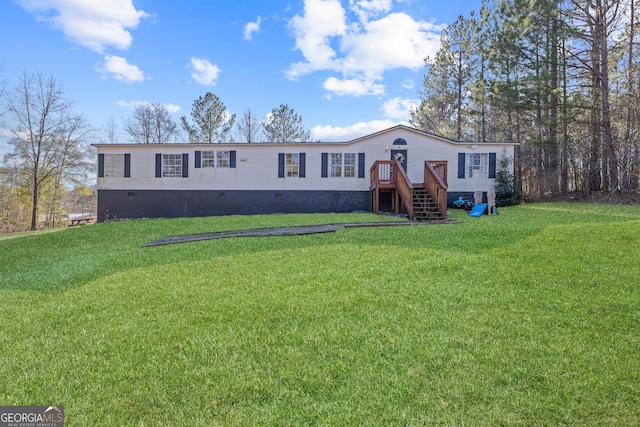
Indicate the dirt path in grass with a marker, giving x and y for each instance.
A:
(282, 231)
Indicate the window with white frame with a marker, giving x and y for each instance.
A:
(342, 165)
(222, 159)
(114, 165)
(171, 165)
(208, 159)
(216, 158)
(477, 165)
(292, 163)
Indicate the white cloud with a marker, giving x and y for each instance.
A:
(93, 24)
(366, 9)
(395, 41)
(408, 84)
(322, 20)
(172, 108)
(204, 72)
(252, 27)
(131, 105)
(121, 70)
(361, 51)
(398, 108)
(5, 136)
(356, 86)
(348, 133)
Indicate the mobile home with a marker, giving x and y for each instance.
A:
(400, 169)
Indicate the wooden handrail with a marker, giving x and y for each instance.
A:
(440, 167)
(391, 173)
(382, 172)
(405, 189)
(435, 175)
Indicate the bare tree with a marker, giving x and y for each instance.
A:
(3, 92)
(109, 132)
(3, 85)
(249, 128)
(151, 124)
(71, 162)
(46, 132)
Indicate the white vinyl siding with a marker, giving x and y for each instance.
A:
(258, 166)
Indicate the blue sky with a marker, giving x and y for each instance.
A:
(348, 67)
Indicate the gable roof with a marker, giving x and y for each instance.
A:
(427, 134)
(395, 128)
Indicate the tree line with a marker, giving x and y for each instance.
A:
(559, 77)
(210, 123)
(48, 171)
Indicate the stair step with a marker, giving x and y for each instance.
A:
(425, 208)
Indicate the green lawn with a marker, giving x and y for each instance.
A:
(531, 317)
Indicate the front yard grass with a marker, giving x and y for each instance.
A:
(531, 317)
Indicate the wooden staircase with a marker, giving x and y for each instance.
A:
(425, 206)
(422, 202)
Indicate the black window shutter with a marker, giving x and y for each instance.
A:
(461, 157)
(324, 165)
(127, 165)
(198, 156)
(232, 159)
(101, 165)
(360, 165)
(158, 165)
(185, 165)
(303, 165)
(492, 165)
(280, 165)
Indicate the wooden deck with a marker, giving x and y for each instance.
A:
(421, 201)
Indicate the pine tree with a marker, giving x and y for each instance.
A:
(507, 192)
(284, 125)
(212, 122)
